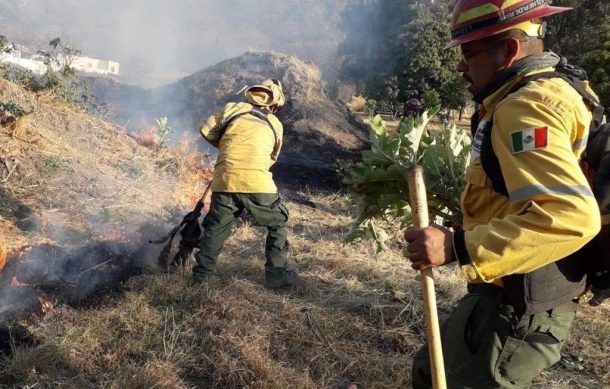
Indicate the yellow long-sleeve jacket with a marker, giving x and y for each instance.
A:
(539, 133)
(247, 148)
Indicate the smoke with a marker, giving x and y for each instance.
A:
(71, 267)
(159, 41)
(156, 42)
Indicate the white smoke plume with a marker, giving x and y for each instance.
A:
(159, 41)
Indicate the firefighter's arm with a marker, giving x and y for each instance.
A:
(552, 211)
(211, 129)
(277, 147)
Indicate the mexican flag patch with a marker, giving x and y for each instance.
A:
(530, 139)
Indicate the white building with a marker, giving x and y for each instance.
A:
(35, 63)
(93, 65)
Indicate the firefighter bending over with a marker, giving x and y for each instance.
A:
(249, 138)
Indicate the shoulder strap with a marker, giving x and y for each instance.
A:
(489, 160)
(596, 108)
(259, 114)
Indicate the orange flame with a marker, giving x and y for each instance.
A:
(196, 165)
(147, 137)
(46, 306)
(3, 255)
(198, 172)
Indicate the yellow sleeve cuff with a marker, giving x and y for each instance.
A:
(471, 273)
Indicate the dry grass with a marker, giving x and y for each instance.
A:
(68, 177)
(355, 317)
(357, 104)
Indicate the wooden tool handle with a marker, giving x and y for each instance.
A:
(419, 210)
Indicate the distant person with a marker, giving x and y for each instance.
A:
(527, 204)
(249, 138)
(412, 108)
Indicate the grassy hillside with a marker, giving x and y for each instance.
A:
(78, 197)
(83, 304)
(65, 169)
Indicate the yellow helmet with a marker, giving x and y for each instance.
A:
(478, 19)
(265, 94)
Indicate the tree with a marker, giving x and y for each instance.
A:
(431, 99)
(371, 27)
(584, 29)
(423, 63)
(5, 47)
(597, 65)
(391, 92)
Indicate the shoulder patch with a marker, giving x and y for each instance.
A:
(529, 139)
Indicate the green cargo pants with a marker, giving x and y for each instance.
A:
(486, 345)
(268, 211)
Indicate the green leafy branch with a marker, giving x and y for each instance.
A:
(163, 131)
(377, 185)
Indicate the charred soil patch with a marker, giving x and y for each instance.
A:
(39, 278)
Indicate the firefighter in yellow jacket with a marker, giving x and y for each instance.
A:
(249, 138)
(518, 238)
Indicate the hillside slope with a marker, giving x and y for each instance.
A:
(77, 193)
(67, 171)
(318, 130)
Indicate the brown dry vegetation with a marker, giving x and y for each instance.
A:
(356, 104)
(355, 317)
(67, 176)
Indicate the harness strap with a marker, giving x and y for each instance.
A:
(260, 114)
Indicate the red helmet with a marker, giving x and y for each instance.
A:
(478, 19)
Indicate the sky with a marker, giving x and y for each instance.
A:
(159, 41)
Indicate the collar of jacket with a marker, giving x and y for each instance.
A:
(524, 66)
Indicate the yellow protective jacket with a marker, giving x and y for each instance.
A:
(550, 212)
(247, 148)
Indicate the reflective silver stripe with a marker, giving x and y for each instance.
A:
(579, 144)
(557, 190)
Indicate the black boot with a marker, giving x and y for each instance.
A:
(286, 279)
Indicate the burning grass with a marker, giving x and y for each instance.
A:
(355, 318)
(3, 253)
(68, 177)
(79, 199)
